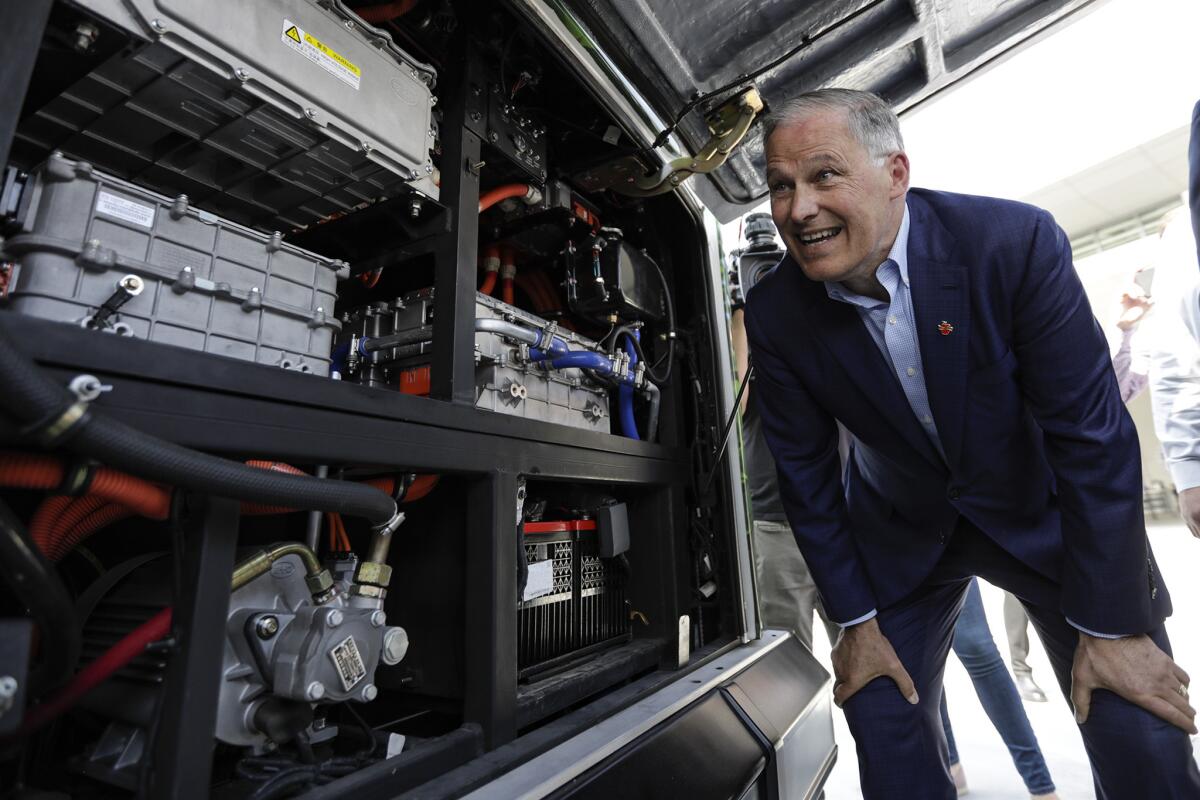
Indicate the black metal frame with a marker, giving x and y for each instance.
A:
(182, 759)
(239, 408)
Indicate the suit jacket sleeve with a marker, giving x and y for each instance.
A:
(1194, 175)
(1090, 441)
(803, 438)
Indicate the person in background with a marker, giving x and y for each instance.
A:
(787, 596)
(1131, 382)
(1175, 345)
(975, 648)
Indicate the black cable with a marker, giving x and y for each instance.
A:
(728, 428)
(32, 398)
(805, 41)
(670, 354)
(33, 580)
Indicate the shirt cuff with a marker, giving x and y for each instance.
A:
(869, 615)
(1082, 629)
(1185, 474)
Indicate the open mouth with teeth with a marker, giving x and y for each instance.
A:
(813, 238)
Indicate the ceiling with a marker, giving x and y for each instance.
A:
(1121, 187)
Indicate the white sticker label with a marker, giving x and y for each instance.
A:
(125, 210)
(349, 663)
(321, 54)
(541, 579)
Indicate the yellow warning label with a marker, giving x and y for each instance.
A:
(321, 54)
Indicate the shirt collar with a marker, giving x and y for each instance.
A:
(898, 256)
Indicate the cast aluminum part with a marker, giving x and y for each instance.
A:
(506, 381)
(337, 72)
(278, 643)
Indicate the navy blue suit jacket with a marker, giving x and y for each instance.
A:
(1040, 453)
(1194, 174)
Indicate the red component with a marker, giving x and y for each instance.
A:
(416, 380)
(385, 11)
(945, 328)
(420, 487)
(560, 526)
(493, 196)
(100, 670)
(582, 212)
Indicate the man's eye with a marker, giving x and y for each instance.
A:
(780, 188)
(825, 175)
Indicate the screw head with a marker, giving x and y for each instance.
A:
(369, 693)
(267, 627)
(315, 690)
(334, 618)
(241, 74)
(378, 618)
(493, 137)
(158, 25)
(395, 645)
(311, 113)
(428, 168)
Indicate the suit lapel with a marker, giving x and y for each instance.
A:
(839, 329)
(940, 292)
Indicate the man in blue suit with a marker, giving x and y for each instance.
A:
(951, 336)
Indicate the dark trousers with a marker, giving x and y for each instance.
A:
(901, 748)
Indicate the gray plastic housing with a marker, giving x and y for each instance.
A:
(213, 98)
(209, 284)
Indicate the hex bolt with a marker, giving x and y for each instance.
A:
(395, 645)
(369, 693)
(267, 627)
(493, 137)
(334, 618)
(476, 116)
(315, 690)
(132, 284)
(8, 692)
(378, 618)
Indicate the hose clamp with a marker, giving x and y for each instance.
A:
(57, 426)
(389, 527)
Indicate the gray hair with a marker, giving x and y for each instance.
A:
(871, 120)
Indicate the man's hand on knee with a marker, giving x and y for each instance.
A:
(1189, 509)
(1136, 669)
(863, 654)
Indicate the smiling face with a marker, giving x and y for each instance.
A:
(836, 206)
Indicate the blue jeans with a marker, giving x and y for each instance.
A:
(977, 651)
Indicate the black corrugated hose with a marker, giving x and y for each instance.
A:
(34, 581)
(37, 403)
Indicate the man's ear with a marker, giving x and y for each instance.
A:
(897, 165)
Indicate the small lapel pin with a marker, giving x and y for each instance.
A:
(945, 328)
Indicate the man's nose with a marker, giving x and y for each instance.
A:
(804, 205)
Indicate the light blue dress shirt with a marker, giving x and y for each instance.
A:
(893, 325)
